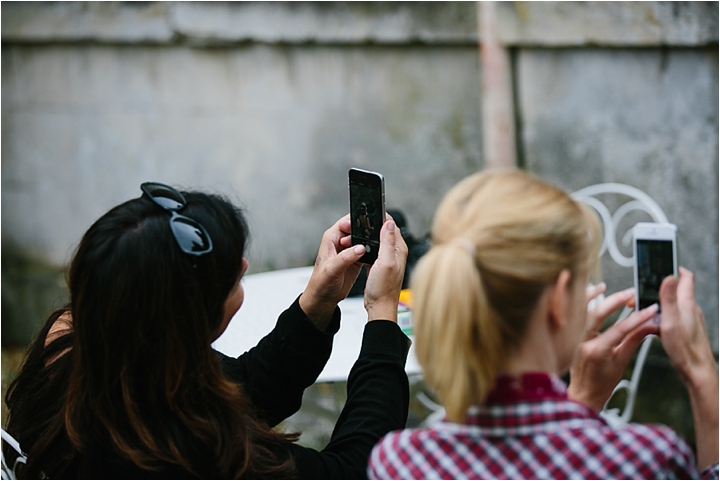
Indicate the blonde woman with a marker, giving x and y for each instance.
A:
(501, 312)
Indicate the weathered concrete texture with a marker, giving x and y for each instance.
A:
(648, 118)
(82, 21)
(232, 22)
(343, 22)
(607, 23)
(274, 127)
(217, 23)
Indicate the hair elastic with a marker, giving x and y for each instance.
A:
(465, 244)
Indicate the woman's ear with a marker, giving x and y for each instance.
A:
(559, 300)
(245, 265)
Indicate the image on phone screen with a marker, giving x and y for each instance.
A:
(366, 214)
(655, 263)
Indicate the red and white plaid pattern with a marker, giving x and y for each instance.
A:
(530, 430)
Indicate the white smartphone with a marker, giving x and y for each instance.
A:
(655, 251)
(367, 210)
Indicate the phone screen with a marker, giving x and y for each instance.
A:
(655, 263)
(367, 211)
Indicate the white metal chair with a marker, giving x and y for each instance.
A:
(634, 200)
(7, 472)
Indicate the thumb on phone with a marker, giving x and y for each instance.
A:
(385, 277)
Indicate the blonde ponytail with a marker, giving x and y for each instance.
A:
(460, 360)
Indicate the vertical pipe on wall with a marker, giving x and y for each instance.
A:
(499, 149)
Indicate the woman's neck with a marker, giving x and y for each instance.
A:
(536, 352)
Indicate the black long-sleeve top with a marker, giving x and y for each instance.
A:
(289, 359)
(274, 375)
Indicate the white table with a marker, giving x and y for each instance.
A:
(268, 294)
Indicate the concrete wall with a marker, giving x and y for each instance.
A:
(271, 103)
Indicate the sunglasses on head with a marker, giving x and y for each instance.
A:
(190, 235)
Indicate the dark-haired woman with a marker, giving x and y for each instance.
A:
(123, 383)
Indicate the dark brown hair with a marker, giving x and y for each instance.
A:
(141, 376)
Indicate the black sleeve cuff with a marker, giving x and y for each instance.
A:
(293, 321)
(385, 338)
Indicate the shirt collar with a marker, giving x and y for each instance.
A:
(531, 386)
(531, 404)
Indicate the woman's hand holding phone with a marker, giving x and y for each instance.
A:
(337, 266)
(385, 276)
(335, 271)
(682, 327)
(684, 338)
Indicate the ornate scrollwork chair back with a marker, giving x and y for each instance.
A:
(629, 202)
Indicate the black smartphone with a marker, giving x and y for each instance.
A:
(655, 249)
(367, 210)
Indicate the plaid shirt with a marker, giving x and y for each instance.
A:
(530, 429)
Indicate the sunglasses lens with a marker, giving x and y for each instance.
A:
(167, 197)
(191, 236)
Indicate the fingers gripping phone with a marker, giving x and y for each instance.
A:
(655, 250)
(367, 211)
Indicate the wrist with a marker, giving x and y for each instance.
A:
(584, 398)
(385, 311)
(702, 379)
(700, 370)
(320, 313)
